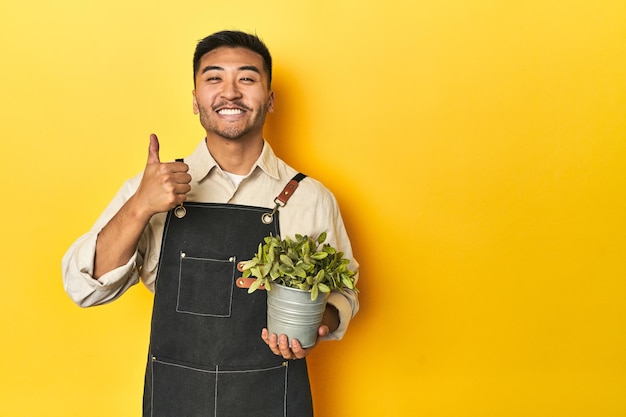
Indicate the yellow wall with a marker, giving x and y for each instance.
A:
(477, 148)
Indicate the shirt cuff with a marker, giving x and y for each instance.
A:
(80, 284)
(344, 308)
(112, 279)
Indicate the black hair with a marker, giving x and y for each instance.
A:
(233, 39)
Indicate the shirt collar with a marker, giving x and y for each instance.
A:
(268, 162)
(201, 162)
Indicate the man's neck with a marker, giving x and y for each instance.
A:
(235, 156)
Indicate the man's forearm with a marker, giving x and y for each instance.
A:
(331, 318)
(117, 241)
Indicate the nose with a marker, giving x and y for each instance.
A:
(231, 90)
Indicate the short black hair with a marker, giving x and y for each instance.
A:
(233, 39)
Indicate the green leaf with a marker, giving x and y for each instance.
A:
(275, 272)
(314, 292)
(286, 269)
(347, 282)
(322, 237)
(299, 272)
(265, 269)
(255, 285)
(319, 255)
(256, 272)
(330, 250)
(250, 263)
(320, 276)
(323, 287)
(286, 260)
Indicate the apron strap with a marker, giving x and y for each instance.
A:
(289, 189)
(285, 194)
(180, 211)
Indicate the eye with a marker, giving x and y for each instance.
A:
(247, 79)
(212, 77)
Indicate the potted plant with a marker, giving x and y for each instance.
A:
(298, 275)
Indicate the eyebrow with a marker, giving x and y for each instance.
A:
(218, 68)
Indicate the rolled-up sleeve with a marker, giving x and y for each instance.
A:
(347, 305)
(78, 262)
(346, 302)
(78, 279)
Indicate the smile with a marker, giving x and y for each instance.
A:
(229, 111)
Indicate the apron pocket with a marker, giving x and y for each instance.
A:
(258, 393)
(181, 390)
(201, 279)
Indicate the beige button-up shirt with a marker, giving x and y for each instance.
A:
(312, 210)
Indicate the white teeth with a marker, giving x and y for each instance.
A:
(230, 111)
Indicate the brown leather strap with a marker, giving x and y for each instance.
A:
(289, 189)
(281, 199)
(242, 282)
(247, 282)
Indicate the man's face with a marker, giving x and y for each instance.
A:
(232, 94)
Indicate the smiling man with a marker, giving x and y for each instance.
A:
(226, 77)
(181, 227)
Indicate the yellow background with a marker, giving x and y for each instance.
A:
(477, 149)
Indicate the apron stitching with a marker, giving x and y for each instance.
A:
(216, 385)
(286, 390)
(231, 207)
(152, 387)
(232, 260)
(242, 371)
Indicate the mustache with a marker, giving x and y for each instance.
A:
(235, 103)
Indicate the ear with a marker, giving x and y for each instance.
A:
(195, 102)
(270, 102)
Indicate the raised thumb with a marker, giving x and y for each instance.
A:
(153, 150)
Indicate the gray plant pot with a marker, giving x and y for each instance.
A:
(291, 312)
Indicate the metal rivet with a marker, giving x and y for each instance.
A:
(180, 211)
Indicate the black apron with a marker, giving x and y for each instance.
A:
(206, 356)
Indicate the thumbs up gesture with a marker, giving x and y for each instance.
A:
(164, 185)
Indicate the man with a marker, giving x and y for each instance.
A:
(180, 227)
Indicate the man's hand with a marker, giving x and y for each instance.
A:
(164, 185)
(280, 344)
(162, 188)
